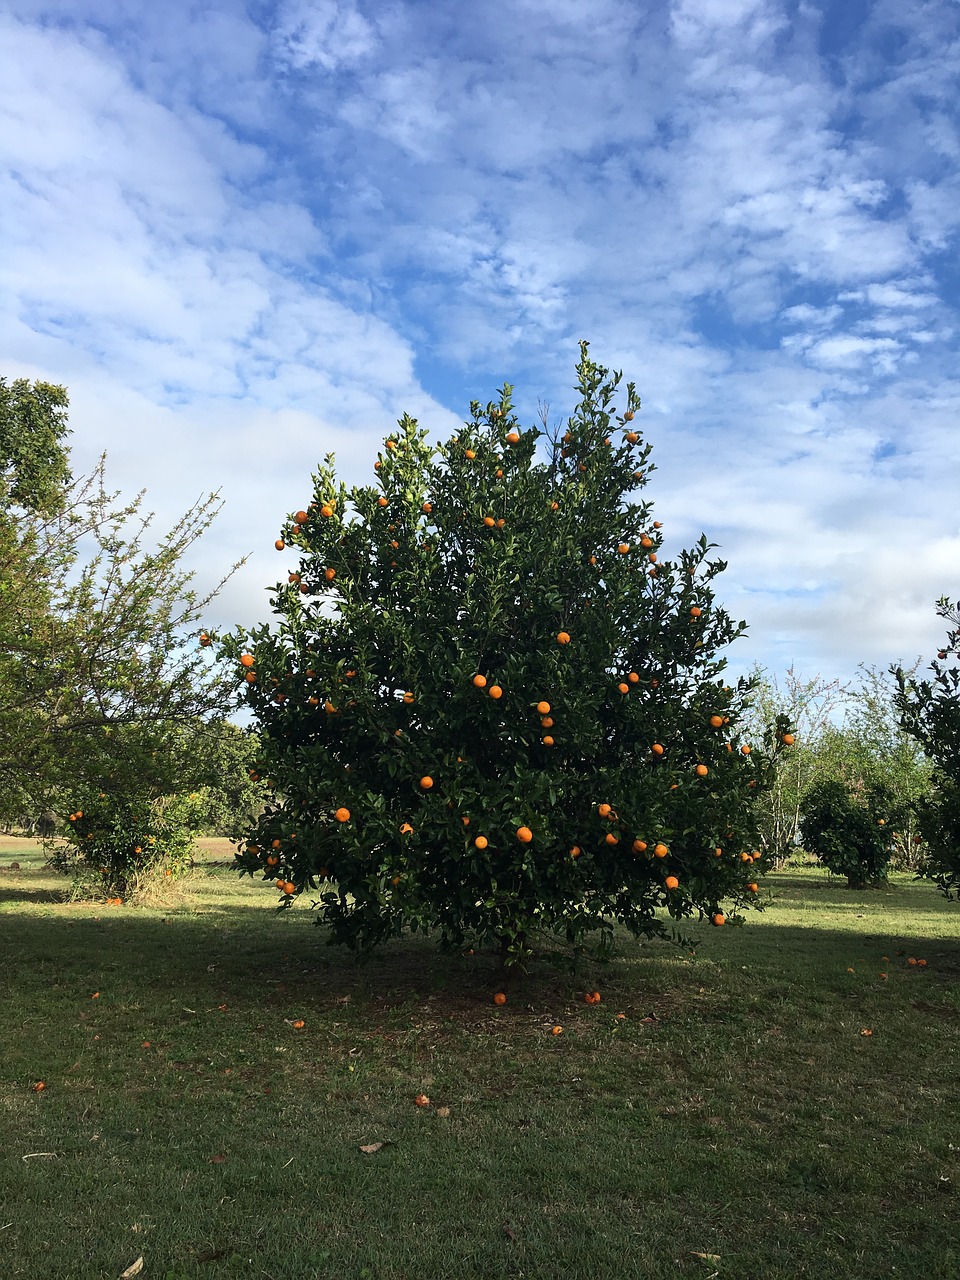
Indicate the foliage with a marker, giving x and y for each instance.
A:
(808, 705)
(491, 706)
(930, 713)
(229, 796)
(102, 683)
(845, 826)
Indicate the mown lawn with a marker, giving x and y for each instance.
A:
(734, 1122)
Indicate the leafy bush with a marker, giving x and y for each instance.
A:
(493, 706)
(846, 827)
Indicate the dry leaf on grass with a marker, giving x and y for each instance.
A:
(372, 1148)
(218, 1159)
(707, 1257)
(443, 1112)
(134, 1269)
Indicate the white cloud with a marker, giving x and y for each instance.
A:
(322, 33)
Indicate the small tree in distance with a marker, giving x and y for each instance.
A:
(492, 706)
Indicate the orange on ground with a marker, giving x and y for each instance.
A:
(500, 998)
(422, 1100)
(557, 1031)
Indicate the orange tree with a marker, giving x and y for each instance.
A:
(930, 712)
(493, 706)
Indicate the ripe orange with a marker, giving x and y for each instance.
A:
(408, 698)
(280, 544)
(547, 722)
(275, 844)
(718, 918)
(646, 541)
(513, 437)
(246, 659)
(554, 506)
(575, 851)
(557, 1031)
(591, 997)
(500, 523)
(289, 887)
(788, 739)
(465, 820)
(604, 810)
(548, 741)
(495, 691)
(543, 708)
(716, 722)
(672, 882)
(500, 998)
(301, 517)
(391, 445)
(480, 681)
(628, 415)
(470, 453)
(657, 749)
(701, 771)
(623, 548)
(426, 782)
(481, 842)
(745, 750)
(695, 611)
(326, 510)
(754, 888)
(298, 1025)
(524, 835)
(342, 815)
(633, 677)
(660, 851)
(610, 838)
(623, 687)
(427, 507)
(422, 1100)
(639, 846)
(489, 521)
(381, 502)
(563, 637)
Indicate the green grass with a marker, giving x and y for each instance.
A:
(749, 1130)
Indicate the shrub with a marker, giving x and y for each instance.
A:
(493, 706)
(845, 825)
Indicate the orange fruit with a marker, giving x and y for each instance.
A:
(408, 698)
(623, 548)
(543, 708)
(489, 521)
(246, 659)
(471, 453)
(657, 749)
(754, 888)
(557, 1031)
(289, 887)
(604, 810)
(501, 523)
(495, 691)
(718, 918)
(554, 506)
(500, 998)
(329, 574)
(633, 677)
(422, 1100)
(426, 782)
(465, 820)
(513, 437)
(660, 851)
(548, 741)
(547, 722)
(280, 544)
(326, 510)
(672, 882)
(922, 964)
(427, 507)
(480, 681)
(628, 416)
(524, 835)
(695, 612)
(563, 637)
(745, 750)
(381, 502)
(646, 541)
(639, 846)
(623, 687)
(701, 771)
(301, 517)
(716, 722)
(275, 844)
(391, 444)
(575, 851)
(481, 842)
(342, 815)
(788, 739)
(610, 838)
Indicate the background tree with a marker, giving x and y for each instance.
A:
(930, 713)
(101, 676)
(845, 826)
(492, 706)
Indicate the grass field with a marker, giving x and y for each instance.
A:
(721, 1114)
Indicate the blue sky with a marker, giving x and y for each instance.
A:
(247, 234)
